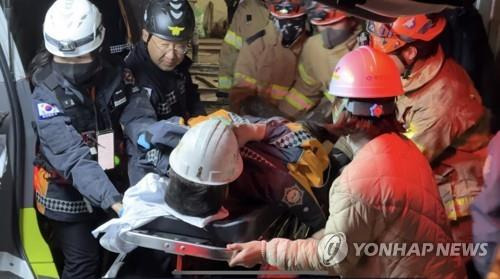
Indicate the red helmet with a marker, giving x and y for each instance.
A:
(320, 14)
(286, 8)
(406, 29)
(367, 80)
(366, 73)
(418, 27)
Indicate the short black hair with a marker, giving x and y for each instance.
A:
(193, 199)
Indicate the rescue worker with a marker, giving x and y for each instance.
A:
(393, 202)
(337, 35)
(442, 112)
(162, 71)
(266, 66)
(77, 100)
(250, 17)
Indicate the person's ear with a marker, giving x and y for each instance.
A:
(410, 54)
(145, 35)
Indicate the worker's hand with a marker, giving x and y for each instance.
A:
(118, 208)
(246, 254)
(246, 132)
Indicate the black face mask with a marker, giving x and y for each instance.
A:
(290, 29)
(78, 74)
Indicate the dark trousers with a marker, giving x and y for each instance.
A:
(75, 251)
(147, 263)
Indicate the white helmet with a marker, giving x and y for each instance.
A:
(72, 28)
(208, 154)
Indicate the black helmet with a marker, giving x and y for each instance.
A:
(172, 20)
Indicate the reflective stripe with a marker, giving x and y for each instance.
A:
(305, 76)
(329, 96)
(70, 207)
(225, 82)
(410, 133)
(298, 100)
(242, 79)
(233, 39)
(458, 207)
(277, 92)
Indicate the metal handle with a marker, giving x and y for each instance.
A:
(178, 245)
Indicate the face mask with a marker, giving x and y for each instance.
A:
(332, 37)
(78, 74)
(290, 29)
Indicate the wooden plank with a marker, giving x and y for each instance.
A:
(207, 82)
(210, 41)
(210, 48)
(208, 97)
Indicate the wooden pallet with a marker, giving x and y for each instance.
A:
(205, 74)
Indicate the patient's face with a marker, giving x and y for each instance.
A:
(194, 199)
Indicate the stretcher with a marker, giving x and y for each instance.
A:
(173, 236)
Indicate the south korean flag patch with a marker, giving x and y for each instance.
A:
(46, 111)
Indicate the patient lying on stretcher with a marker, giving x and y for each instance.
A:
(251, 160)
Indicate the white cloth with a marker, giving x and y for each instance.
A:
(143, 203)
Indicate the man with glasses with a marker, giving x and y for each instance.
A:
(162, 70)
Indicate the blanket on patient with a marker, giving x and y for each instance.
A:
(143, 203)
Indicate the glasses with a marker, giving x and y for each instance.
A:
(285, 7)
(383, 30)
(378, 29)
(165, 47)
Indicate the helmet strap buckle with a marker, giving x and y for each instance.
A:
(67, 46)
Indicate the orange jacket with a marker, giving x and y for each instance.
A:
(445, 118)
